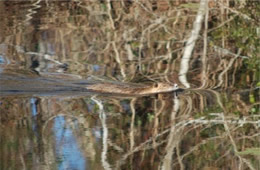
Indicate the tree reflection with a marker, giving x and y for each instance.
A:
(212, 125)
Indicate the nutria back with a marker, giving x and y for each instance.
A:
(131, 89)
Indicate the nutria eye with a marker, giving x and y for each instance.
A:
(156, 85)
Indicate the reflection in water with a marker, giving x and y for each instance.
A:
(213, 125)
(68, 153)
(2, 61)
(32, 11)
(102, 116)
(34, 113)
(173, 139)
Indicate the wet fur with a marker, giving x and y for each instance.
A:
(132, 90)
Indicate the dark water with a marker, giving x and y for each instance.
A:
(47, 121)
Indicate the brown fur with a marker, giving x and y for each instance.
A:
(132, 90)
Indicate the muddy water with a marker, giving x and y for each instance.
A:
(48, 120)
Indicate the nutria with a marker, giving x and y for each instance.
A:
(28, 82)
(131, 89)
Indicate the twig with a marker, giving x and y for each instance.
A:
(220, 77)
(110, 15)
(234, 11)
(235, 147)
(222, 24)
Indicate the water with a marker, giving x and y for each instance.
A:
(49, 51)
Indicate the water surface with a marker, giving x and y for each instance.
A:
(47, 121)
